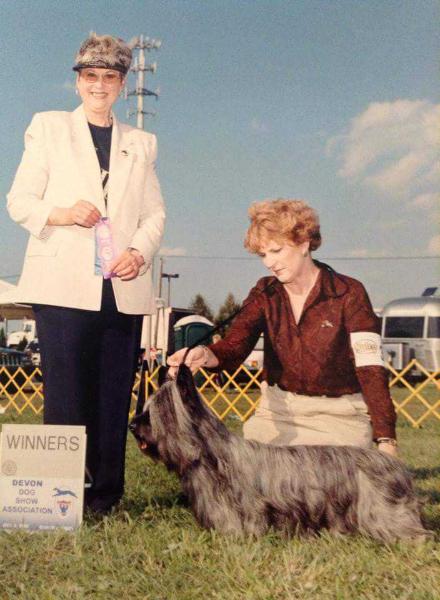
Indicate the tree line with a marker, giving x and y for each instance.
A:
(201, 307)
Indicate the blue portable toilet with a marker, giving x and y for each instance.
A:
(190, 329)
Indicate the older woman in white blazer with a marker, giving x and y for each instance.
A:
(76, 169)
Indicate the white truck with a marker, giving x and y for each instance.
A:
(28, 331)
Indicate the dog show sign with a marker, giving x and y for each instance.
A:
(42, 476)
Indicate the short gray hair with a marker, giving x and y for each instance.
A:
(103, 52)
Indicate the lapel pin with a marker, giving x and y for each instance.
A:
(326, 324)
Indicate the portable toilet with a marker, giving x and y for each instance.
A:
(190, 330)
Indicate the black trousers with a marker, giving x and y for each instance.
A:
(89, 360)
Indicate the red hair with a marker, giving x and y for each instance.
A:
(282, 221)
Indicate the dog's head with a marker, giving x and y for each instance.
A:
(176, 424)
(141, 428)
(166, 422)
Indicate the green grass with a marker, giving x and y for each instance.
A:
(151, 548)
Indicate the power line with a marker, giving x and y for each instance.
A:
(344, 258)
(347, 258)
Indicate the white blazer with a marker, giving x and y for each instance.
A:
(60, 167)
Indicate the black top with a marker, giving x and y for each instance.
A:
(102, 140)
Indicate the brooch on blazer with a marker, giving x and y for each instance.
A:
(326, 324)
(131, 155)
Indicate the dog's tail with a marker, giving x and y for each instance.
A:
(388, 509)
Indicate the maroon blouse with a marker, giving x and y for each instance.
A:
(313, 357)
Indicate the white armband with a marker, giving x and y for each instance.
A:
(367, 348)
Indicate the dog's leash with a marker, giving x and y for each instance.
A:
(141, 392)
(226, 321)
(141, 395)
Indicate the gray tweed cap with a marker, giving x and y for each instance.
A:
(103, 52)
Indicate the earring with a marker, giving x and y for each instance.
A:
(76, 91)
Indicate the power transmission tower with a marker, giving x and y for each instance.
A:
(139, 67)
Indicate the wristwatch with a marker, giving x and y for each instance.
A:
(385, 440)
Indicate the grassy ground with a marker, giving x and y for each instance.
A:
(151, 548)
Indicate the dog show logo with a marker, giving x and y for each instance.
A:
(9, 467)
(366, 346)
(63, 504)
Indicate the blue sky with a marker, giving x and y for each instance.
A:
(334, 102)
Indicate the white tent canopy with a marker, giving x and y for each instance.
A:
(10, 309)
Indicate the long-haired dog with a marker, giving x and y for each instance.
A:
(246, 487)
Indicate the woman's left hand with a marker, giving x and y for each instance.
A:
(390, 449)
(127, 265)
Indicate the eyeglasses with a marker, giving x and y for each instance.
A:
(108, 78)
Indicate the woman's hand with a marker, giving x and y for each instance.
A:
(127, 265)
(388, 448)
(81, 213)
(198, 357)
(84, 213)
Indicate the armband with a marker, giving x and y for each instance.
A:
(367, 348)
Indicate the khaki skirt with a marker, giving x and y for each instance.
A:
(288, 419)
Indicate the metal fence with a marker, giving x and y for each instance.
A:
(232, 394)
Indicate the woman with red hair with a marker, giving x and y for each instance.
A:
(324, 381)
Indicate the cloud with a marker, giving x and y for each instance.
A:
(434, 245)
(166, 251)
(391, 147)
(425, 201)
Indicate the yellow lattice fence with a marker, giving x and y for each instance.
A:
(416, 403)
(232, 394)
(21, 389)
